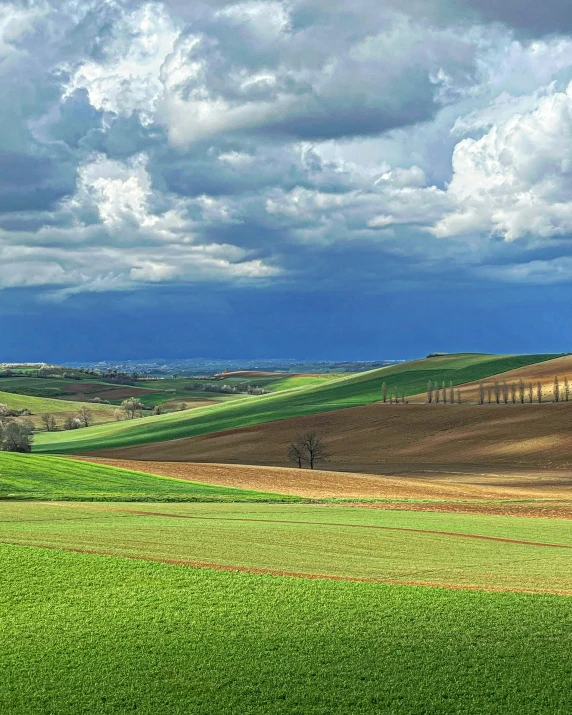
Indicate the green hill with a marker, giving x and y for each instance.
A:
(41, 405)
(24, 476)
(361, 389)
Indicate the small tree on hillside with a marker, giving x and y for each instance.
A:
(451, 393)
(489, 394)
(521, 391)
(481, 394)
(85, 416)
(72, 423)
(497, 392)
(444, 392)
(429, 392)
(556, 390)
(459, 395)
(384, 392)
(308, 448)
(16, 436)
(132, 406)
(295, 454)
(530, 393)
(539, 392)
(566, 389)
(513, 389)
(50, 422)
(505, 392)
(437, 393)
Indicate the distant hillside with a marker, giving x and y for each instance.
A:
(355, 390)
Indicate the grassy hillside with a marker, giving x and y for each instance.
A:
(159, 638)
(32, 477)
(361, 389)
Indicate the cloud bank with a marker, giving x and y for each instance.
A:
(281, 143)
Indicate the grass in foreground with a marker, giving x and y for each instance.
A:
(335, 394)
(41, 477)
(101, 635)
(311, 540)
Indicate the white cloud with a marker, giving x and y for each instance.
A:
(516, 179)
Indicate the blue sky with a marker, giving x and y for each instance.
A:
(340, 179)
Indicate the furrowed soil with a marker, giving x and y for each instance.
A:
(411, 440)
(322, 484)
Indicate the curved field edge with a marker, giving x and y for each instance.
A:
(161, 638)
(31, 477)
(488, 552)
(336, 394)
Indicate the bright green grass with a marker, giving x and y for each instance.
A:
(85, 634)
(352, 391)
(310, 540)
(33, 477)
(40, 405)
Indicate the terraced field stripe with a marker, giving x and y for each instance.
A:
(138, 512)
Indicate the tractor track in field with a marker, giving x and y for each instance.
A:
(500, 539)
(236, 568)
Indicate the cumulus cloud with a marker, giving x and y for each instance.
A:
(228, 140)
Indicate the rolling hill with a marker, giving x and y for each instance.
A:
(336, 394)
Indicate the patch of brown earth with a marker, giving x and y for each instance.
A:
(408, 440)
(321, 484)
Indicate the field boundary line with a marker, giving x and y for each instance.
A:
(462, 535)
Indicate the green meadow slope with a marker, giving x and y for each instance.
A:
(41, 405)
(31, 477)
(355, 390)
(85, 633)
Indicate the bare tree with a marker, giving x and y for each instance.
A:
(295, 454)
(85, 416)
(429, 392)
(50, 422)
(497, 392)
(118, 414)
(309, 449)
(384, 392)
(556, 389)
(566, 389)
(513, 389)
(459, 395)
(530, 393)
(539, 392)
(521, 391)
(16, 436)
(490, 393)
(481, 394)
(505, 392)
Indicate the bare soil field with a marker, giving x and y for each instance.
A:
(326, 484)
(409, 440)
(543, 372)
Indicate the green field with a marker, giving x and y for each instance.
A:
(93, 634)
(352, 391)
(41, 405)
(32, 477)
(389, 546)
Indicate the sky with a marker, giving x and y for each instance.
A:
(317, 179)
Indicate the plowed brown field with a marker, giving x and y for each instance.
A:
(397, 439)
(324, 484)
